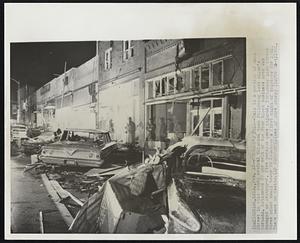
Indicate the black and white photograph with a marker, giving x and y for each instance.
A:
(169, 121)
(131, 136)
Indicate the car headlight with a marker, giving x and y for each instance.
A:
(44, 151)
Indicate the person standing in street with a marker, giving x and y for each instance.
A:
(111, 129)
(150, 130)
(130, 130)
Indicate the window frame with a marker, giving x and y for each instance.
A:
(159, 80)
(213, 111)
(108, 61)
(212, 72)
(191, 85)
(129, 51)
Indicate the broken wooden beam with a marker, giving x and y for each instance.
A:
(66, 215)
(59, 190)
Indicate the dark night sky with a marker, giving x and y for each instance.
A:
(34, 63)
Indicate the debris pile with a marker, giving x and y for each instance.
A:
(178, 190)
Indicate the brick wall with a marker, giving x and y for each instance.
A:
(120, 67)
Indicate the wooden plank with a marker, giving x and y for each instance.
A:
(99, 171)
(66, 215)
(59, 190)
(41, 223)
(63, 194)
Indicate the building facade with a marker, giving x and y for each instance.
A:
(121, 89)
(195, 87)
(70, 99)
(153, 92)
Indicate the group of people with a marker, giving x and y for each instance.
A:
(161, 133)
(152, 133)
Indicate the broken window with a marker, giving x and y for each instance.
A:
(82, 136)
(180, 84)
(229, 70)
(217, 132)
(195, 122)
(210, 117)
(157, 88)
(195, 79)
(206, 126)
(164, 85)
(217, 73)
(205, 77)
(171, 85)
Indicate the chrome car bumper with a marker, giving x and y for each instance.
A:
(71, 161)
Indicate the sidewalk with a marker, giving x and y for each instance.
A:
(28, 197)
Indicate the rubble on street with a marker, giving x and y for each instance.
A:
(147, 136)
(169, 192)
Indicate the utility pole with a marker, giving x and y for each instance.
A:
(63, 90)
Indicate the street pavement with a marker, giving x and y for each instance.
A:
(28, 197)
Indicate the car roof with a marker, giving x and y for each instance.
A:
(85, 130)
(191, 141)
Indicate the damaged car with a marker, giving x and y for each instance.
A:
(34, 145)
(79, 147)
(196, 186)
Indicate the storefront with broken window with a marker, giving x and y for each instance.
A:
(204, 96)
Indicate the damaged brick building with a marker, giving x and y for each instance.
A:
(168, 88)
(195, 86)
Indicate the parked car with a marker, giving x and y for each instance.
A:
(34, 145)
(79, 147)
(18, 131)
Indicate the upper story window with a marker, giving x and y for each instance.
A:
(217, 73)
(204, 77)
(108, 59)
(66, 80)
(213, 74)
(127, 49)
(198, 78)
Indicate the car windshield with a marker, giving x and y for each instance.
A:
(87, 137)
